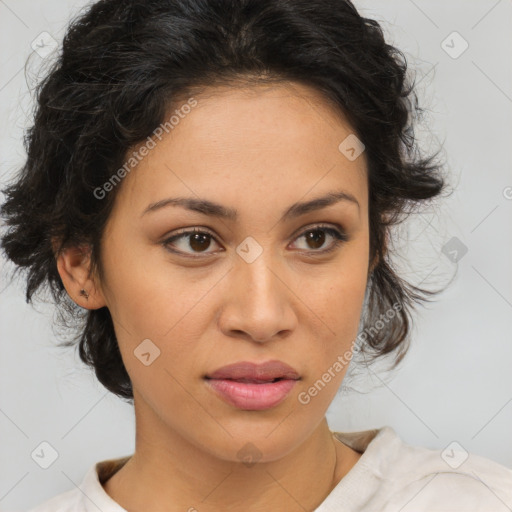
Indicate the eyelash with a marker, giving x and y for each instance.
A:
(339, 237)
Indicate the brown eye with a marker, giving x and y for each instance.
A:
(196, 242)
(190, 242)
(316, 237)
(199, 241)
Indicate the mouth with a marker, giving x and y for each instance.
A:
(251, 386)
(257, 372)
(251, 381)
(252, 395)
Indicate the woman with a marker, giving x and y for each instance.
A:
(213, 183)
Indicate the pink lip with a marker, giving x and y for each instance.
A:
(269, 370)
(252, 397)
(249, 386)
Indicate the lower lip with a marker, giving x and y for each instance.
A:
(252, 397)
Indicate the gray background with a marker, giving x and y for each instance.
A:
(456, 382)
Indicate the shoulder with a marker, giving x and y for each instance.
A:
(428, 482)
(65, 502)
(448, 479)
(414, 478)
(90, 496)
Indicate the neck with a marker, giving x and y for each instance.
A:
(169, 473)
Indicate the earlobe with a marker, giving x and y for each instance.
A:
(73, 265)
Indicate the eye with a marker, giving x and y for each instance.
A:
(200, 240)
(315, 237)
(196, 239)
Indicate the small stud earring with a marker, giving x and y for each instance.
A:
(84, 293)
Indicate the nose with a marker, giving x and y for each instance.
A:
(259, 303)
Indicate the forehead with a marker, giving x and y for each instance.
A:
(286, 110)
(284, 136)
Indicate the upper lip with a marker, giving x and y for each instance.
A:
(266, 371)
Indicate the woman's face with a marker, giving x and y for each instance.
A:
(259, 286)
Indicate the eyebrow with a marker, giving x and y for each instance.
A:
(211, 208)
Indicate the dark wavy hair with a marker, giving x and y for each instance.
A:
(124, 64)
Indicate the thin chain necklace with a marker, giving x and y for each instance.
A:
(334, 482)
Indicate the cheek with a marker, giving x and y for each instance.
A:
(162, 366)
(153, 310)
(148, 295)
(339, 295)
(339, 305)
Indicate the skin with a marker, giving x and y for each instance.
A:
(257, 149)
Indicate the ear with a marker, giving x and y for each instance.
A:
(73, 264)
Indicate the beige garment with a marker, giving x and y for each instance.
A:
(390, 476)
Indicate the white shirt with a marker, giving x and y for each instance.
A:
(390, 476)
